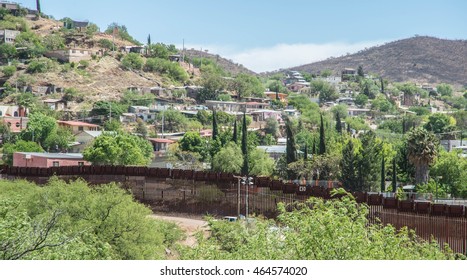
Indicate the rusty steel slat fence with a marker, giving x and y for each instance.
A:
(203, 192)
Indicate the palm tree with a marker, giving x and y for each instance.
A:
(422, 149)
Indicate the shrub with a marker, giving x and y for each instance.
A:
(132, 61)
(9, 70)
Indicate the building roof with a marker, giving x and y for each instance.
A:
(54, 155)
(161, 140)
(52, 100)
(93, 134)
(276, 149)
(77, 123)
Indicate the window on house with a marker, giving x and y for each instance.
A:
(80, 128)
(55, 164)
(80, 163)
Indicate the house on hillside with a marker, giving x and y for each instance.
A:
(297, 86)
(132, 49)
(358, 111)
(30, 159)
(16, 124)
(78, 25)
(348, 73)
(55, 104)
(70, 55)
(13, 111)
(276, 95)
(8, 36)
(77, 126)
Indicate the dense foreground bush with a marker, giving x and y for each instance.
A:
(319, 230)
(75, 221)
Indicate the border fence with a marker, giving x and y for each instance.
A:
(217, 193)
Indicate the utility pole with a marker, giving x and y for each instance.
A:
(162, 123)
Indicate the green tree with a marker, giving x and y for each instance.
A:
(383, 175)
(7, 51)
(141, 128)
(444, 89)
(394, 175)
(235, 133)
(272, 127)
(132, 61)
(338, 124)
(119, 149)
(361, 100)
(422, 150)
(112, 125)
(215, 130)
(122, 32)
(322, 138)
(20, 146)
(333, 229)
(325, 90)
(260, 163)
(53, 42)
(246, 85)
(451, 170)
(39, 128)
(440, 123)
(291, 149)
(349, 164)
(369, 161)
(29, 45)
(229, 159)
(8, 71)
(173, 120)
(360, 71)
(74, 221)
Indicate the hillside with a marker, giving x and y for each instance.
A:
(419, 59)
(227, 64)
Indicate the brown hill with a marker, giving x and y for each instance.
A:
(420, 59)
(227, 64)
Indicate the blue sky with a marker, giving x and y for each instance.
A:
(266, 35)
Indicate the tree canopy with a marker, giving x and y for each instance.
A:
(118, 148)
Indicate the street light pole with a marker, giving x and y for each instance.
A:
(238, 198)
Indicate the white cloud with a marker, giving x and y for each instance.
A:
(285, 55)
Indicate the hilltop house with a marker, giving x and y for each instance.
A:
(70, 55)
(55, 104)
(348, 73)
(8, 36)
(73, 24)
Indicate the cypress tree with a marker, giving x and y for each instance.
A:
(235, 136)
(383, 176)
(38, 6)
(382, 84)
(245, 167)
(394, 175)
(215, 131)
(313, 151)
(338, 124)
(291, 151)
(349, 175)
(322, 143)
(305, 153)
(149, 40)
(348, 128)
(403, 126)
